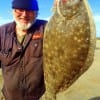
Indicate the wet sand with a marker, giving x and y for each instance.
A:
(87, 86)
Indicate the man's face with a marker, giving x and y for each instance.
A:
(24, 18)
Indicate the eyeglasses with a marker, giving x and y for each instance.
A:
(21, 11)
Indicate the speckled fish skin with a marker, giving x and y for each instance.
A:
(68, 46)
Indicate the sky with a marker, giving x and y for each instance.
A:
(45, 11)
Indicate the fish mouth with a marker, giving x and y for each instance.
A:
(69, 9)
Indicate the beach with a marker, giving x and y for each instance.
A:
(87, 87)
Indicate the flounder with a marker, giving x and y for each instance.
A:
(68, 46)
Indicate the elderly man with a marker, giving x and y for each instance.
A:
(21, 54)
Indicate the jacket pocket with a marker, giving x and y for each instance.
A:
(5, 57)
(6, 48)
(36, 48)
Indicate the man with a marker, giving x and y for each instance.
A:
(21, 53)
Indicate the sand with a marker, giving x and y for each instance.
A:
(87, 87)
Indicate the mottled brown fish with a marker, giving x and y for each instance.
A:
(69, 45)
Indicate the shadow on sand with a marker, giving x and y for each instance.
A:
(95, 98)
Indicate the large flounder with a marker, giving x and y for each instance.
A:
(68, 46)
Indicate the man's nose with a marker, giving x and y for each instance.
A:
(24, 13)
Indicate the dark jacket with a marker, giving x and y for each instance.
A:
(22, 64)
